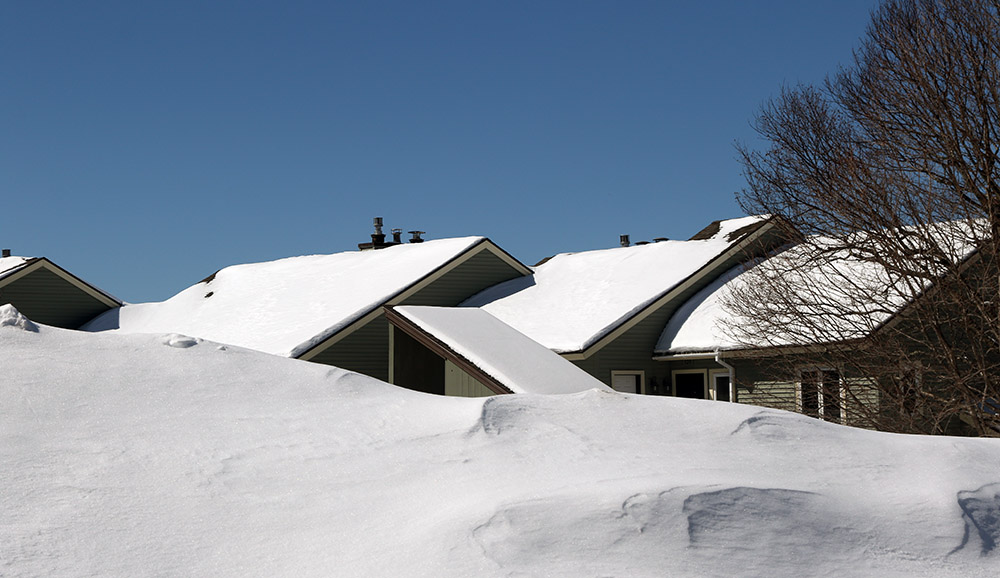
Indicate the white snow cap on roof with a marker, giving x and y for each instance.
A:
(503, 353)
(574, 299)
(9, 264)
(705, 324)
(287, 306)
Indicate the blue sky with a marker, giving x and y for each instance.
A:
(144, 145)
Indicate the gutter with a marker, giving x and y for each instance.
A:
(732, 374)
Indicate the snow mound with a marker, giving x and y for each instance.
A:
(11, 317)
(122, 458)
(182, 341)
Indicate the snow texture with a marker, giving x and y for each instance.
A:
(123, 456)
(704, 323)
(8, 265)
(11, 317)
(285, 307)
(505, 354)
(574, 299)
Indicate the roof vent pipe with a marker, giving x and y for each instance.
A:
(6, 253)
(624, 241)
(416, 236)
(378, 238)
(397, 235)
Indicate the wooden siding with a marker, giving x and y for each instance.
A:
(47, 298)
(365, 350)
(458, 383)
(478, 272)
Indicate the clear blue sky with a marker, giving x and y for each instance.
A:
(143, 145)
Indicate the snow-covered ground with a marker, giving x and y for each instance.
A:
(161, 455)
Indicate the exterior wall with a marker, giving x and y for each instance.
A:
(414, 366)
(458, 383)
(47, 298)
(482, 270)
(365, 350)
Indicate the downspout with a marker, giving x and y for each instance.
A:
(732, 375)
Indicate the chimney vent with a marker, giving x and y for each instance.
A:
(416, 236)
(624, 241)
(6, 253)
(397, 235)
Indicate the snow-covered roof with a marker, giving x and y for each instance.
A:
(863, 296)
(511, 358)
(9, 265)
(287, 306)
(575, 299)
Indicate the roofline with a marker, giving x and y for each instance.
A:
(771, 350)
(483, 244)
(670, 294)
(36, 263)
(443, 350)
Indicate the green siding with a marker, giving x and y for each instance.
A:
(45, 297)
(482, 270)
(365, 350)
(458, 383)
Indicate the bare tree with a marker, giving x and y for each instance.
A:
(889, 172)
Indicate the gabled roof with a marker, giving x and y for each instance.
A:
(575, 302)
(13, 268)
(500, 357)
(704, 324)
(287, 307)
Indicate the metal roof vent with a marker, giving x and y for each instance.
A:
(397, 236)
(5, 253)
(624, 240)
(660, 239)
(415, 238)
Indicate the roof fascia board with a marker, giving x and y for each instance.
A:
(672, 293)
(44, 263)
(484, 244)
(443, 350)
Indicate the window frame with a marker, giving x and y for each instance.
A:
(713, 386)
(638, 372)
(704, 380)
(821, 372)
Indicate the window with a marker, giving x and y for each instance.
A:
(820, 394)
(627, 381)
(691, 383)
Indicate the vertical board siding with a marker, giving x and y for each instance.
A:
(458, 383)
(47, 298)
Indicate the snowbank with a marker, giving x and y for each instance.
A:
(126, 456)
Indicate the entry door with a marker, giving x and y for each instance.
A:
(691, 385)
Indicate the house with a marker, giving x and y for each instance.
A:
(604, 310)
(786, 363)
(324, 308)
(465, 351)
(46, 293)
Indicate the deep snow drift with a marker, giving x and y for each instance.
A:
(161, 455)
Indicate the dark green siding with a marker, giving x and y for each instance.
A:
(482, 270)
(365, 350)
(47, 298)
